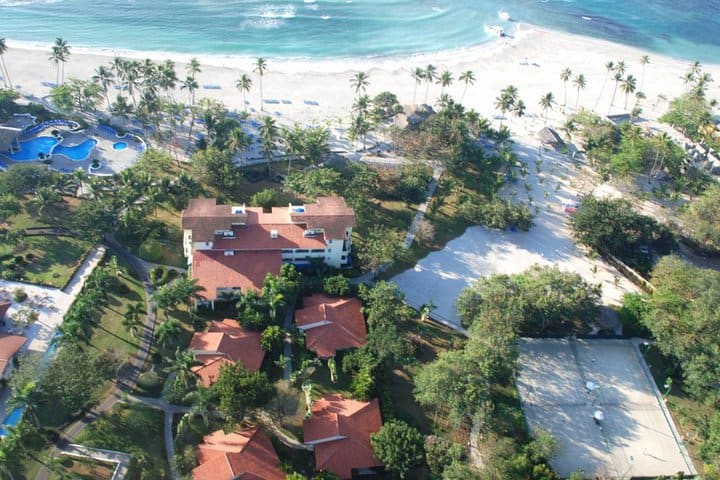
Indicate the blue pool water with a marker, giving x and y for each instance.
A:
(76, 152)
(31, 149)
(354, 28)
(120, 145)
(11, 420)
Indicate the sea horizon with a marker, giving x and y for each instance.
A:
(345, 30)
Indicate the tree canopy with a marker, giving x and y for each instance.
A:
(240, 390)
(399, 446)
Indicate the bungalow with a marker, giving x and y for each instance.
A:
(225, 343)
(231, 248)
(331, 324)
(244, 454)
(339, 432)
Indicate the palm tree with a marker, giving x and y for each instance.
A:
(429, 75)
(167, 77)
(275, 302)
(103, 76)
(504, 103)
(546, 103)
(628, 86)
(425, 310)
(663, 147)
(644, 60)
(27, 396)
(4, 71)
(609, 67)
(260, 69)
(60, 54)
(191, 85)
(203, 403)
(519, 108)
(618, 78)
(132, 317)
(193, 67)
(565, 75)
(269, 136)
(468, 78)
(45, 197)
(359, 82)
(244, 84)
(445, 80)
(167, 332)
(579, 82)
(121, 108)
(181, 365)
(620, 67)
(568, 129)
(418, 74)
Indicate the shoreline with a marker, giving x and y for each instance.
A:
(531, 60)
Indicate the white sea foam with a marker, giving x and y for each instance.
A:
(22, 3)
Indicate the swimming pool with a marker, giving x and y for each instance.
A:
(11, 420)
(120, 145)
(31, 149)
(76, 152)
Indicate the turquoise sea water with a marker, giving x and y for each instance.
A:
(354, 28)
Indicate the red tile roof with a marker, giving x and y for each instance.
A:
(4, 307)
(9, 346)
(247, 455)
(203, 216)
(353, 420)
(329, 213)
(245, 270)
(346, 327)
(258, 237)
(224, 343)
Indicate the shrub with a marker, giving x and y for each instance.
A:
(159, 275)
(19, 295)
(151, 250)
(264, 198)
(337, 286)
(150, 382)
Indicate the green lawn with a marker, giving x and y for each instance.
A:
(109, 333)
(48, 260)
(131, 429)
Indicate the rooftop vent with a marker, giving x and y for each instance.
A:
(273, 234)
(237, 210)
(229, 253)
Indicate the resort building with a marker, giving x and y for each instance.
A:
(225, 343)
(339, 432)
(245, 454)
(331, 324)
(9, 347)
(231, 248)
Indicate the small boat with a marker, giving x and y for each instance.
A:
(496, 30)
(586, 18)
(504, 15)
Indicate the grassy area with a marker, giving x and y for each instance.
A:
(47, 260)
(429, 340)
(131, 429)
(109, 333)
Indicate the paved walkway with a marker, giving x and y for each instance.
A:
(128, 377)
(121, 460)
(369, 277)
(288, 341)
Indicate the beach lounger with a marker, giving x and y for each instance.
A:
(271, 101)
(49, 84)
(314, 103)
(212, 87)
(286, 101)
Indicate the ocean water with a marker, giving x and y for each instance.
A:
(354, 28)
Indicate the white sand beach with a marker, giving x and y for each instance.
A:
(531, 60)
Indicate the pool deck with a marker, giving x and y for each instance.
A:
(111, 161)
